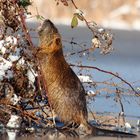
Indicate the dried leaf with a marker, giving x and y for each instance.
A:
(57, 3)
(64, 2)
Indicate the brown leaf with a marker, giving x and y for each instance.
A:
(64, 2)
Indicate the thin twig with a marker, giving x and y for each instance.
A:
(108, 72)
(24, 27)
(26, 113)
(121, 105)
(74, 4)
(73, 53)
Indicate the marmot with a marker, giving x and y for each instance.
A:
(66, 93)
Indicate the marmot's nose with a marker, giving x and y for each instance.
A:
(47, 22)
(47, 27)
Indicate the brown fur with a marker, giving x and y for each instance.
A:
(65, 92)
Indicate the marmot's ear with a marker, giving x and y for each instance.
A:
(58, 41)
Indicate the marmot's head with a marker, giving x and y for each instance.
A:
(50, 39)
(47, 28)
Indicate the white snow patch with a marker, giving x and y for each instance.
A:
(14, 122)
(80, 12)
(101, 30)
(2, 48)
(138, 123)
(21, 61)
(11, 134)
(4, 65)
(15, 99)
(121, 113)
(84, 78)
(128, 127)
(13, 58)
(91, 93)
(31, 75)
(11, 40)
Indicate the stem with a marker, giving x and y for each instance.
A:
(73, 53)
(24, 27)
(121, 105)
(108, 72)
(74, 4)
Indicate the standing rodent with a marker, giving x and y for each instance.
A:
(66, 93)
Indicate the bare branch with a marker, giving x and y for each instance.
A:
(108, 72)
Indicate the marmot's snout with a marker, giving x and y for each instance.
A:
(47, 28)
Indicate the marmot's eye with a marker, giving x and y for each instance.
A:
(57, 41)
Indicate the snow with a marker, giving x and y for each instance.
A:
(2, 48)
(128, 127)
(91, 93)
(138, 88)
(5, 64)
(13, 58)
(14, 122)
(138, 123)
(101, 30)
(31, 75)
(15, 99)
(11, 40)
(121, 113)
(11, 134)
(79, 12)
(21, 61)
(84, 78)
